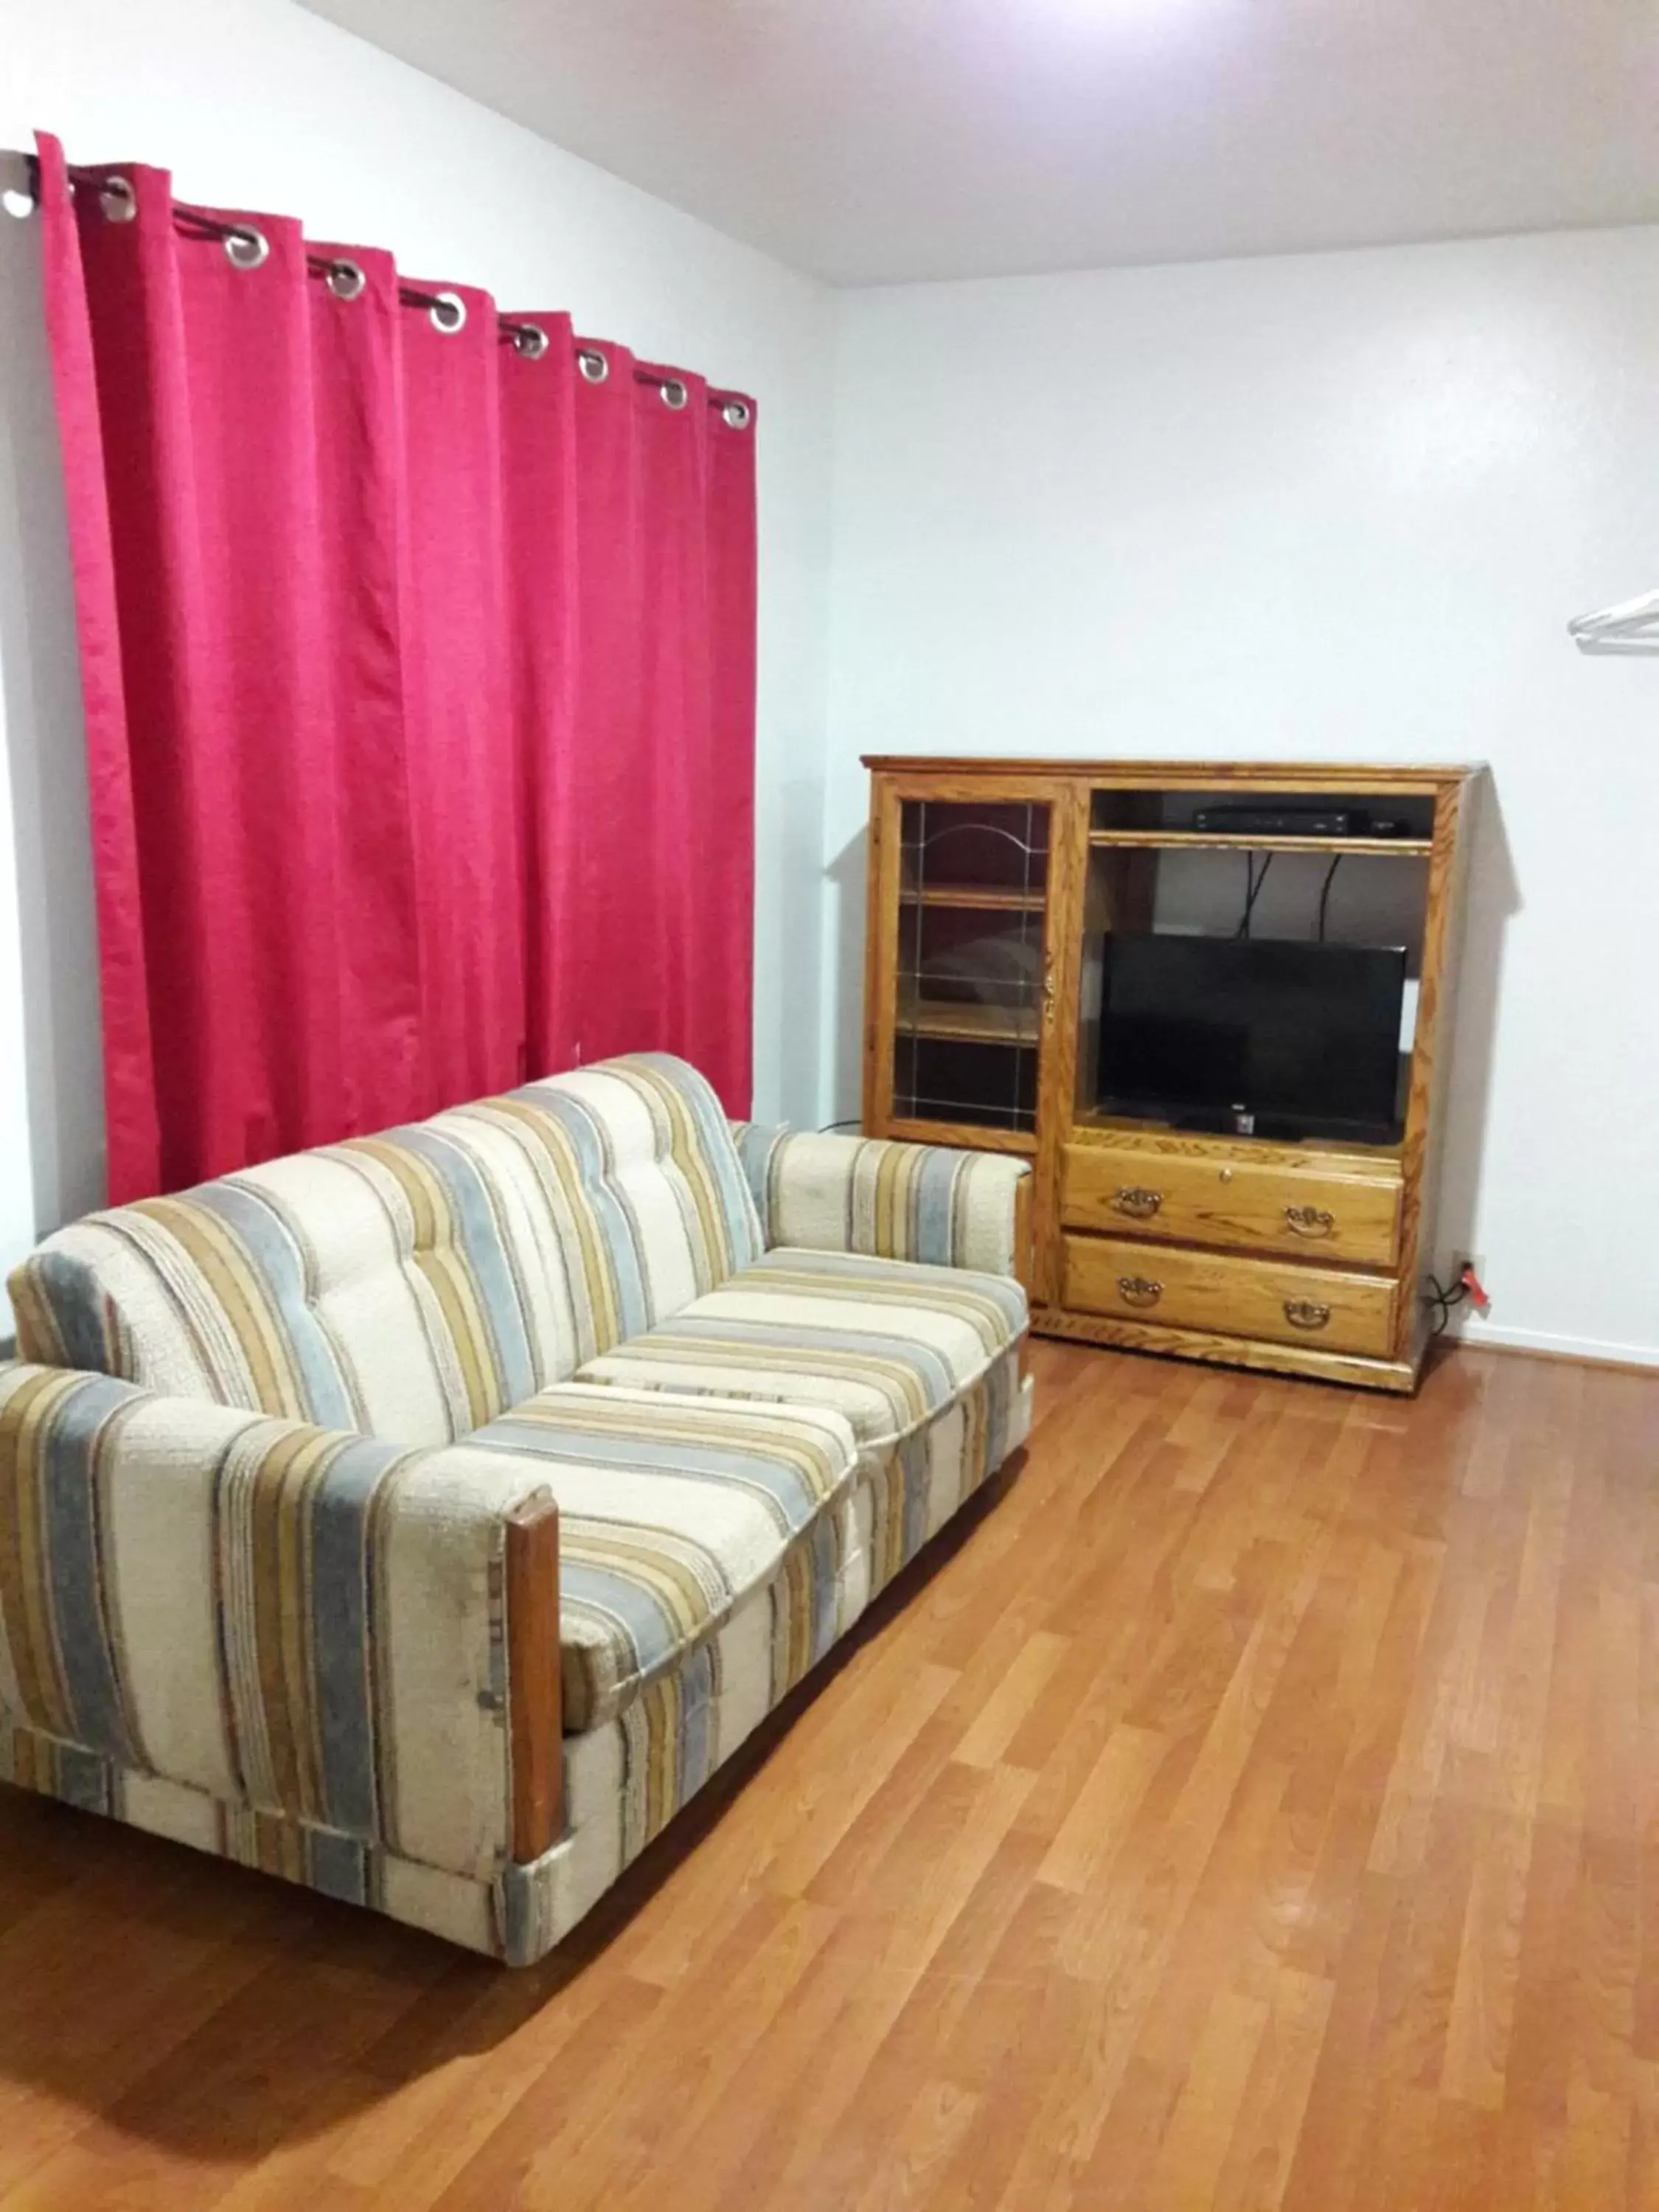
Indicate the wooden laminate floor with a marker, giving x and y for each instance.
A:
(1253, 1805)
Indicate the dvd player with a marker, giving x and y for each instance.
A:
(1237, 821)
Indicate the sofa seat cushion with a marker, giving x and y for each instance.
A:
(671, 1509)
(887, 1343)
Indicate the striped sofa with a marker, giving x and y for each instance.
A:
(425, 1518)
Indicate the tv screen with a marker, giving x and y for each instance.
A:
(1302, 1038)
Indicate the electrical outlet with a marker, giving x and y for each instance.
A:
(1471, 1266)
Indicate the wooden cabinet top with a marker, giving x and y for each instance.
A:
(1378, 778)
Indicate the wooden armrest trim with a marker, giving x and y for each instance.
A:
(1024, 1248)
(533, 1689)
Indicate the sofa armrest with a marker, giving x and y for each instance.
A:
(888, 1200)
(317, 1624)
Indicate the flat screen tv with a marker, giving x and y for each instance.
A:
(1274, 1038)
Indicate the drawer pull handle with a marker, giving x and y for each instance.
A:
(1139, 1290)
(1306, 1313)
(1309, 1221)
(1139, 1204)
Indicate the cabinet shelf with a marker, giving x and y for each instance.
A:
(968, 1025)
(1090, 1125)
(1223, 841)
(974, 898)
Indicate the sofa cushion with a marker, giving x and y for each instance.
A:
(671, 1510)
(885, 1342)
(415, 1285)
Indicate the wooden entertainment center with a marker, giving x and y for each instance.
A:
(995, 889)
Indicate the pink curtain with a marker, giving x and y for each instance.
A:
(417, 650)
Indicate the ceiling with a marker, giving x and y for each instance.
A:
(876, 141)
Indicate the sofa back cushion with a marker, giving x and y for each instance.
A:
(413, 1285)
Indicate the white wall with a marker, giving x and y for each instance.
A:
(255, 103)
(1332, 506)
(1338, 506)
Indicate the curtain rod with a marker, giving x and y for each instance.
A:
(247, 247)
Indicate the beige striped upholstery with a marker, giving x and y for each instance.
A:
(886, 1343)
(671, 1510)
(414, 1285)
(257, 1468)
(825, 1193)
(624, 1780)
(302, 1621)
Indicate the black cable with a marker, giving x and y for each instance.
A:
(1253, 884)
(1325, 893)
(1446, 1303)
(1259, 880)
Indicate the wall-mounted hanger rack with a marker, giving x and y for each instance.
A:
(1631, 627)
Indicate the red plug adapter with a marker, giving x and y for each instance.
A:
(1476, 1289)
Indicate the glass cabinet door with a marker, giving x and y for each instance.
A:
(971, 969)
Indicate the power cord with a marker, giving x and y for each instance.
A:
(1467, 1291)
(1325, 893)
(1253, 884)
(1445, 1303)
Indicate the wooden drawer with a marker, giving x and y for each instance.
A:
(1194, 1200)
(1320, 1307)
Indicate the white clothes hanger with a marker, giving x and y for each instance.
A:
(1631, 627)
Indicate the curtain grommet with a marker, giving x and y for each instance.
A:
(530, 341)
(674, 394)
(247, 248)
(118, 199)
(346, 280)
(448, 314)
(19, 186)
(736, 416)
(593, 365)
